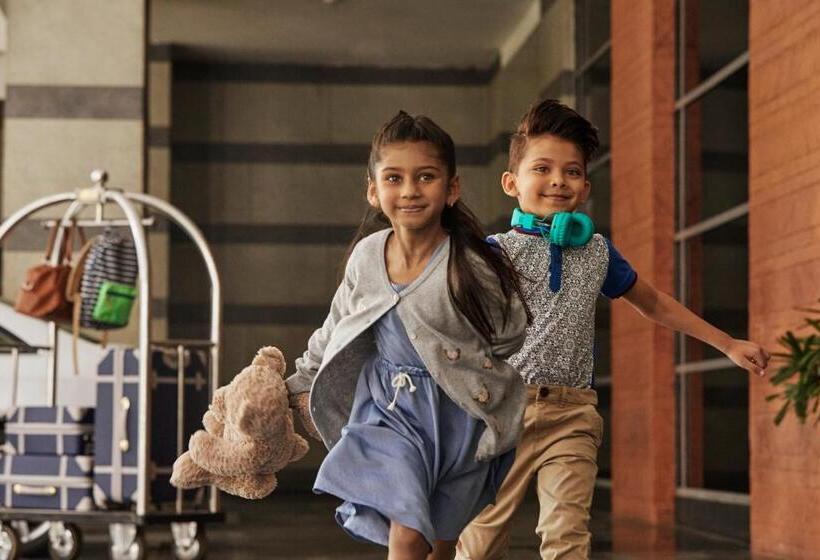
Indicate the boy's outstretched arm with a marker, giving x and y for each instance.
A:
(667, 311)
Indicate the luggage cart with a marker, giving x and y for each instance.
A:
(125, 526)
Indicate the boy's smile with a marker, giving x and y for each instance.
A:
(551, 177)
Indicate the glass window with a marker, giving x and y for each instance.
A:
(712, 260)
(593, 99)
(716, 413)
(715, 32)
(716, 151)
(717, 272)
(600, 196)
(592, 27)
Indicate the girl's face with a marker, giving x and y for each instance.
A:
(410, 185)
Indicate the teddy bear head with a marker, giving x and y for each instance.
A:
(254, 405)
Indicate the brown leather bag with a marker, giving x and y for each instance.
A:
(43, 292)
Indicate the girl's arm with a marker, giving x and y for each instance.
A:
(667, 311)
(308, 365)
(509, 339)
(510, 335)
(300, 383)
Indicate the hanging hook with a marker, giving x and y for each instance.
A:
(95, 194)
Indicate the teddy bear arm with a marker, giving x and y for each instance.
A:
(213, 424)
(301, 406)
(300, 448)
(187, 474)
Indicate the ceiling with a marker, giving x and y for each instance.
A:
(388, 33)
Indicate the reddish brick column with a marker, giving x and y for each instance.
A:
(784, 261)
(643, 174)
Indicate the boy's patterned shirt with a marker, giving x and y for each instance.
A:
(558, 349)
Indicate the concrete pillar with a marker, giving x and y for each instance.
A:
(784, 262)
(643, 405)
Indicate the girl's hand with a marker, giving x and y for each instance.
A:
(748, 355)
(300, 403)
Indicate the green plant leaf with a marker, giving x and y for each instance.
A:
(799, 375)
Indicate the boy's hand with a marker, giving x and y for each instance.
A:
(748, 355)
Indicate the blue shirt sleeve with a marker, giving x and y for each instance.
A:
(620, 276)
(493, 242)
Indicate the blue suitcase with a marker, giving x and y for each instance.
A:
(116, 433)
(43, 430)
(46, 482)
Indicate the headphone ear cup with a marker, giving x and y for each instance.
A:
(571, 229)
(582, 229)
(560, 227)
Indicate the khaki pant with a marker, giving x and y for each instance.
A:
(559, 446)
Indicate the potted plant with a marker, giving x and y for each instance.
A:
(800, 374)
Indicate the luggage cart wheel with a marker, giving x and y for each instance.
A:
(33, 537)
(127, 542)
(9, 543)
(64, 541)
(189, 540)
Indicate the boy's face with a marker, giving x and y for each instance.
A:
(551, 177)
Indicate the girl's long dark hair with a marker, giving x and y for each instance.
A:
(466, 233)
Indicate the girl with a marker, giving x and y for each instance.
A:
(406, 379)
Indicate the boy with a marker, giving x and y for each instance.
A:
(562, 429)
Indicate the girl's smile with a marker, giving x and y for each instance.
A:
(411, 186)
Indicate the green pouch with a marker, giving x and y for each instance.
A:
(114, 303)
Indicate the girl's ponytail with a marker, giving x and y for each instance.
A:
(466, 235)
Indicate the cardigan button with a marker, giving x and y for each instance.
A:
(488, 363)
(414, 336)
(483, 395)
(453, 355)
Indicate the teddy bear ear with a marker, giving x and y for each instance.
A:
(272, 357)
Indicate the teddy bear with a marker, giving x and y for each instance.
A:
(249, 434)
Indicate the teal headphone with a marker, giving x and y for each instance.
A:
(566, 229)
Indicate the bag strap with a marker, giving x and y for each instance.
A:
(65, 241)
(76, 275)
(74, 294)
(51, 237)
(75, 331)
(68, 243)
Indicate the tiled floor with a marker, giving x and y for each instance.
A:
(301, 526)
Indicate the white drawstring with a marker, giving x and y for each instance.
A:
(399, 381)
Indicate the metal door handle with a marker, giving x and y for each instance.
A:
(125, 405)
(34, 490)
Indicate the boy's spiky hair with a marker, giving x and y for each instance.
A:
(549, 116)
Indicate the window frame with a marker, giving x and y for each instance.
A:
(684, 233)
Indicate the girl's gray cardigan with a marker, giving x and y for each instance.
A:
(471, 371)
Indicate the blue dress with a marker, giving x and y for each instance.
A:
(408, 451)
